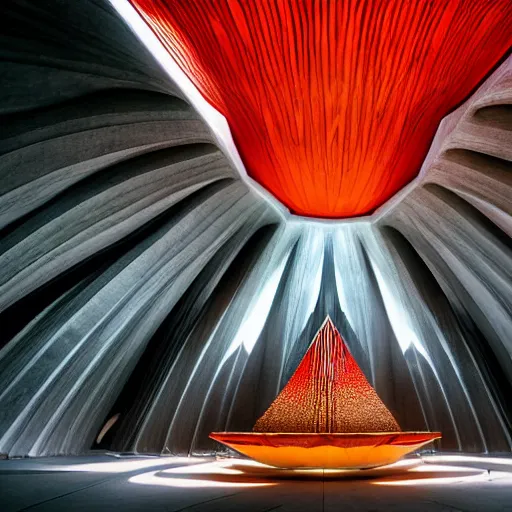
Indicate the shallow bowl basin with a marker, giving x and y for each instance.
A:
(329, 451)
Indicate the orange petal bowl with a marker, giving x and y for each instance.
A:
(328, 451)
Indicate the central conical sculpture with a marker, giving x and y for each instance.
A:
(327, 416)
(327, 393)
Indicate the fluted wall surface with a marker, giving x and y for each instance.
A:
(141, 279)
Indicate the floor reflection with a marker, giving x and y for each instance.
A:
(173, 484)
(246, 473)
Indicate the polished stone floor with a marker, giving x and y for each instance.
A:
(171, 484)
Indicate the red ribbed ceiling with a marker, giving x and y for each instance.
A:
(333, 104)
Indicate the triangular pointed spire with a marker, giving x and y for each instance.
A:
(328, 393)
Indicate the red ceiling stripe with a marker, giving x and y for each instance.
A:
(333, 103)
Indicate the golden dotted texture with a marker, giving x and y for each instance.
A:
(328, 393)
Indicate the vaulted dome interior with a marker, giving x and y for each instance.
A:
(188, 190)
